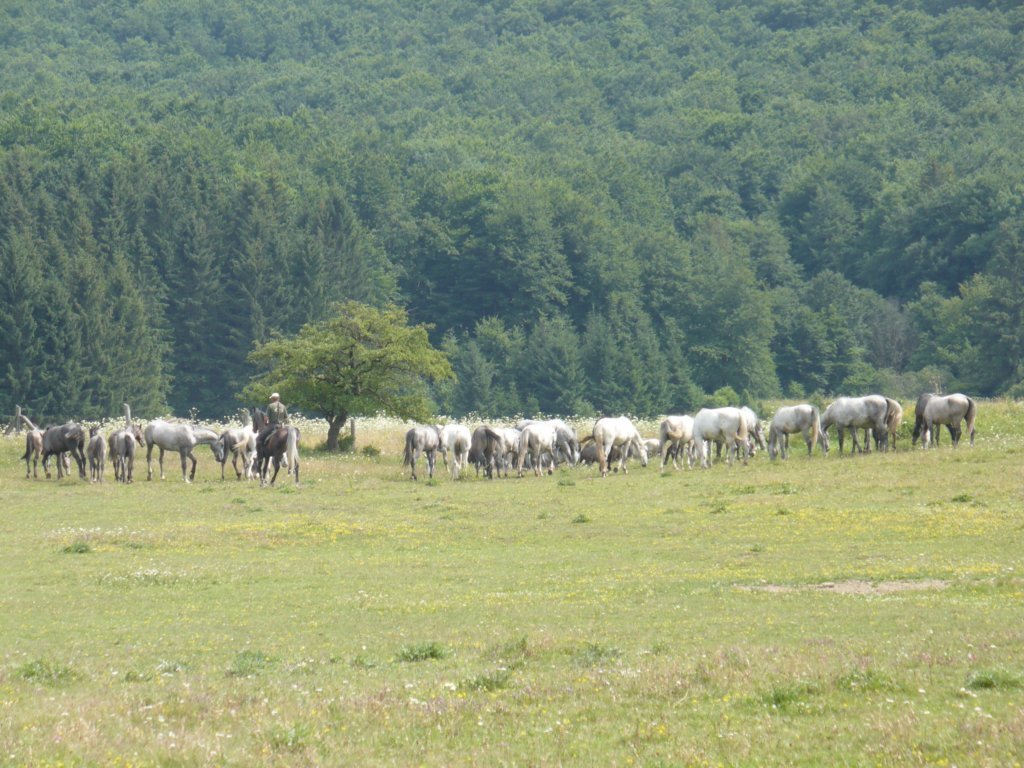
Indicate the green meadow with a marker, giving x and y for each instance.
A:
(862, 610)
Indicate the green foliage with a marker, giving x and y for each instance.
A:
(607, 208)
(422, 652)
(360, 362)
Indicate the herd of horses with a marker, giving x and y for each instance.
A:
(257, 444)
(687, 440)
(537, 445)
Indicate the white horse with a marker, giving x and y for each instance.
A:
(720, 424)
(949, 410)
(617, 432)
(853, 413)
(536, 439)
(755, 432)
(507, 451)
(456, 440)
(791, 419)
(566, 440)
(421, 441)
(240, 442)
(182, 438)
(676, 434)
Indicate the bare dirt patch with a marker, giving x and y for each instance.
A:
(853, 587)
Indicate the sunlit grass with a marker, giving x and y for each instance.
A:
(859, 610)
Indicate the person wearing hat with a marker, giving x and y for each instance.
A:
(277, 416)
(277, 413)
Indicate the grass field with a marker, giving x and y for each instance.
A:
(854, 611)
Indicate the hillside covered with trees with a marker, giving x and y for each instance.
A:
(600, 206)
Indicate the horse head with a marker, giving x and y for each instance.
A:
(219, 450)
(641, 449)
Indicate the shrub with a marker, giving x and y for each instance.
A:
(422, 652)
(46, 673)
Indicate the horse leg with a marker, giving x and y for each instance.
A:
(192, 474)
(80, 458)
(277, 468)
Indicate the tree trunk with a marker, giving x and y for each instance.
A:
(334, 426)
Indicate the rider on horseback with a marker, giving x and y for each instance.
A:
(277, 416)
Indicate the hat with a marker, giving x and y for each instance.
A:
(275, 396)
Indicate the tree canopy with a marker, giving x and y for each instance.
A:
(359, 362)
(597, 206)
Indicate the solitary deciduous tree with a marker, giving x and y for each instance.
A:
(359, 362)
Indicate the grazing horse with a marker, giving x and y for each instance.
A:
(727, 425)
(949, 410)
(120, 451)
(419, 441)
(97, 454)
(676, 433)
(853, 413)
(182, 438)
(456, 440)
(129, 445)
(536, 439)
(492, 448)
(240, 442)
(478, 456)
(922, 401)
(277, 444)
(755, 432)
(69, 438)
(893, 422)
(788, 420)
(566, 441)
(617, 432)
(33, 449)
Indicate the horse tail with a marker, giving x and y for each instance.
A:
(893, 419)
(292, 447)
(741, 432)
(972, 411)
(407, 455)
(602, 460)
(815, 426)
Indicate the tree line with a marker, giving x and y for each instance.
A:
(597, 207)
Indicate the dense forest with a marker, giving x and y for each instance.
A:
(600, 206)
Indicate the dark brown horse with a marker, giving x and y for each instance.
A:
(277, 444)
(68, 438)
